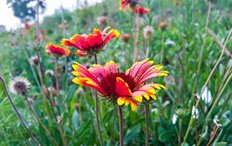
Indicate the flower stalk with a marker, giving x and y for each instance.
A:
(120, 125)
(17, 113)
(147, 123)
(96, 102)
(32, 109)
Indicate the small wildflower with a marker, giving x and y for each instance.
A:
(34, 60)
(90, 44)
(140, 10)
(126, 3)
(182, 113)
(12, 44)
(26, 26)
(163, 25)
(148, 31)
(56, 51)
(101, 20)
(19, 85)
(43, 32)
(176, 3)
(125, 37)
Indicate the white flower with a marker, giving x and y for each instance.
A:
(206, 95)
(174, 118)
(193, 110)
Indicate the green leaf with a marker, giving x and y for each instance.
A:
(221, 144)
(75, 120)
(71, 93)
(231, 113)
(82, 137)
(132, 134)
(163, 137)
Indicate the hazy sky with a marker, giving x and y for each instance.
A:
(7, 18)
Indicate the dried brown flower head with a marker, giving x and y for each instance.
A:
(163, 25)
(148, 31)
(34, 60)
(19, 85)
(125, 37)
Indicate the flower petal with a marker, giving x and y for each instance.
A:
(110, 67)
(112, 34)
(152, 72)
(122, 88)
(138, 68)
(88, 82)
(127, 101)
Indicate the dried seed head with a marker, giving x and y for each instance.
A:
(49, 72)
(59, 119)
(125, 37)
(19, 85)
(163, 25)
(148, 31)
(34, 60)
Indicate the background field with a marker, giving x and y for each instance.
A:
(180, 59)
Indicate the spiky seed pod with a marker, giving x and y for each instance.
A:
(163, 25)
(148, 31)
(37, 46)
(125, 37)
(182, 113)
(34, 60)
(19, 85)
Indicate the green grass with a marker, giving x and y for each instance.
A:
(79, 124)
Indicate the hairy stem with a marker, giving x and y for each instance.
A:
(162, 49)
(96, 101)
(120, 125)
(57, 82)
(17, 113)
(147, 123)
(62, 135)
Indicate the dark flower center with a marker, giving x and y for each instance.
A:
(108, 84)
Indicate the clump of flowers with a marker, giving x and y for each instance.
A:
(119, 87)
(34, 60)
(125, 37)
(90, 44)
(163, 25)
(140, 10)
(56, 51)
(19, 85)
(148, 31)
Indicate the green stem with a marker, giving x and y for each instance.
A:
(147, 123)
(162, 49)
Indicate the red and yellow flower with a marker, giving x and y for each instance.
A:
(93, 43)
(56, 50)
(140, 10)
(124, 4)
(123, 88)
